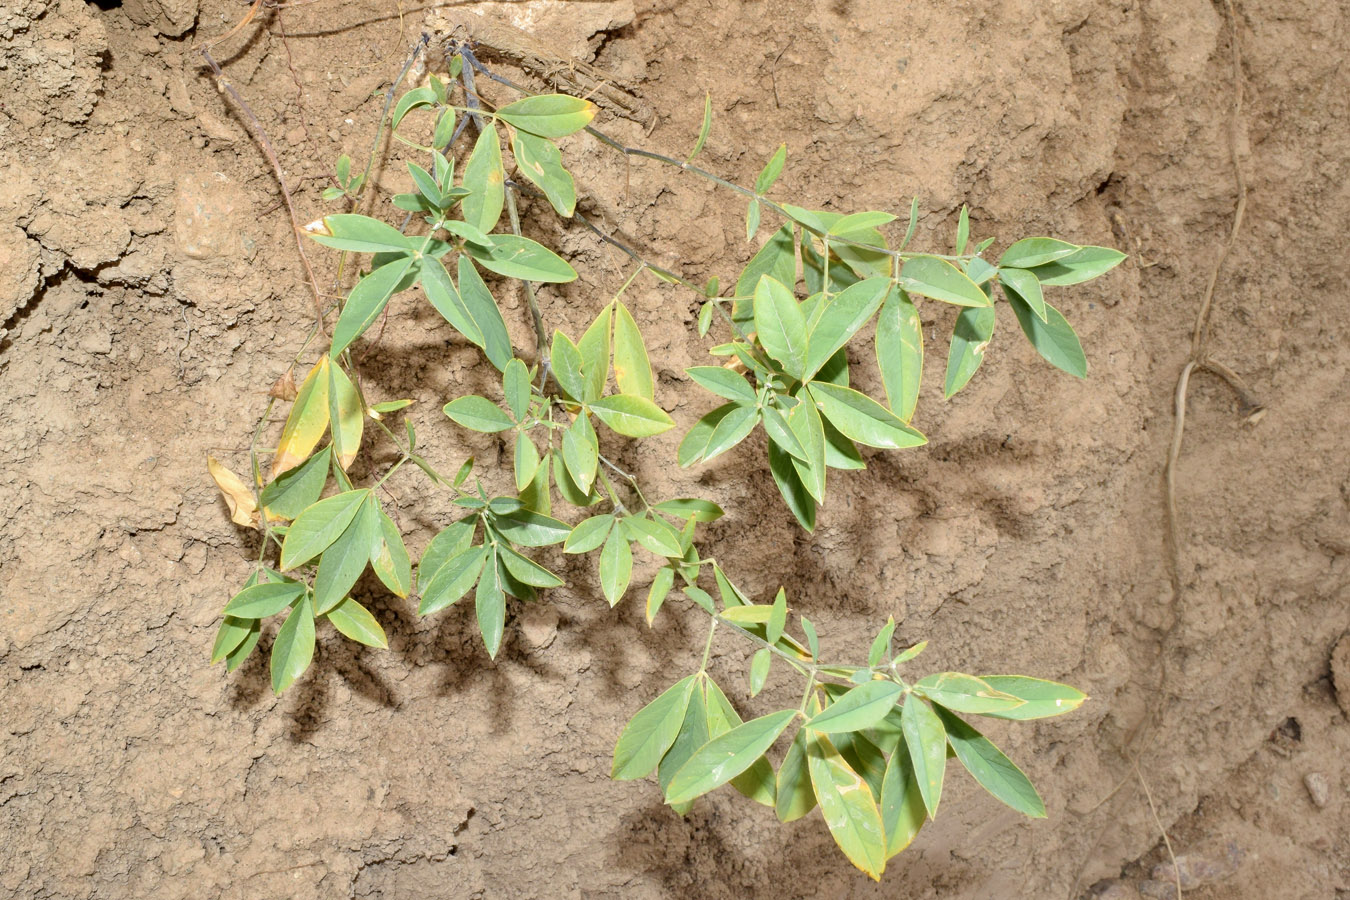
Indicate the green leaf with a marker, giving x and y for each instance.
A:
(478, 413)
(541, 163)
(962, 230)
(525, 569)
(519, 257)
(293, 649)
(581, 452)
(594, 347)
(693, 734)
(849, 225)
(567, 366)
(794, 492)
(795, 797)
(880, 650)
(899, 349)
(970, 338)
(840, 319)
(902, 809)
(684, 507)
(526, 462)
(632, 368)
(1036, 251)
(752, 214)
(362, 234)
(1027, 287)
(863, 757)
(452, 540)
(725, 757)
(422, 96)
(812, 641)
(730, 430)
(345, 559)
(481, 305)
(847, 804)
(236, 657)
(526, 528)
(485, 178)
(926, 740)
(777, 618)
(549, 115)
(568, 487)
(589, 534)
(840, 452)
(616, 567)
(631, 415)
(695, 443)
(653, 537)
(444, 130)
(651, 732)
(992, 769)
(862, 707)
(346, 415)
(1082, 265)
(1054, 339)
(516, 389)
(261, 600)
(1041, 699)
(723, 383)
(297, 489)
(772, 169)
(862, 419)
(780, 325)
(659, 590)
(389, 557)
(426, 185)
(980, 271)
(759, 669)
(490, 606)
(939, 279)
(757, 782)
(319, 526)
(356, 622)
(366, 301)
(232, 632)
(452, 580)
(778, 258)
(806, 424)
(704, 130)
(965, 693)
(442, 294)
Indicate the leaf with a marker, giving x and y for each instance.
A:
(422, 96)
(1041, 699)
(840, 318)
(490, 606)
(693, 734)
(806, 424)
(965, 693)
(723, 383)
(238, 497)
(519, 257)
(535, 496)
(478, 413)
(902, 809)
(631, 415)
(295, 490)
(261, 600)
(694, 444)
(232, 632)
(307, 421)
(293, 650)
(589, 534)
(531, 529)
(594, 348)
(235, 658)
(516, 389)
(970, 338)
(794, 492)
(485, 178)
(426, 185)
(780, 325)
(684, 507)
(479, 302)
(567, 366)
(632, 368)
(581, 452)
(962, 230)
(1082, 265)
(526, 461)
(345, 559)
(366, 301)
(752, 214)
(899, 349)
(452, 580)
(881, 644)
(704, 130)
(659, 590)
(442, 294)
(772, 169)
(991, 768)
(389, 558)
(650, 733)
(725, 757)
(541, 163)
(549, 115)
(356, 622)
(778, 258)
(319, 526)
(980, 271)
(1036, 251)
(453, 539)
(777, 618)
(568, 487)
(812, 641)
(795, 796)
(1026, 286)
(362, 234)
(444, 131)
(939, 279)
(730, 430)
(346, 415)
(863, 419)
(847, 804)
(759, 669)
(525, 569)
(653, 537)
(1054, 339)
(862, 707)
(863, 221)
(616, 567)
(926, 740)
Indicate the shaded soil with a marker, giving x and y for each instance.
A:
(151, 295)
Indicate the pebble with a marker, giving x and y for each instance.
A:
(1319, 788)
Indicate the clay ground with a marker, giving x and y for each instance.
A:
(151, 293)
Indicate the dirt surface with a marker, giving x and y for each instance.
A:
(152, 293)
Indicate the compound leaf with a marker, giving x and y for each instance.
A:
(651, 732)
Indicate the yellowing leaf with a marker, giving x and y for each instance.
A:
(238, 497)
(307, 422)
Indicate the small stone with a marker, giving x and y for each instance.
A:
(1319, 788)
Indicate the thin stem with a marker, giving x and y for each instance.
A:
(707, 648)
